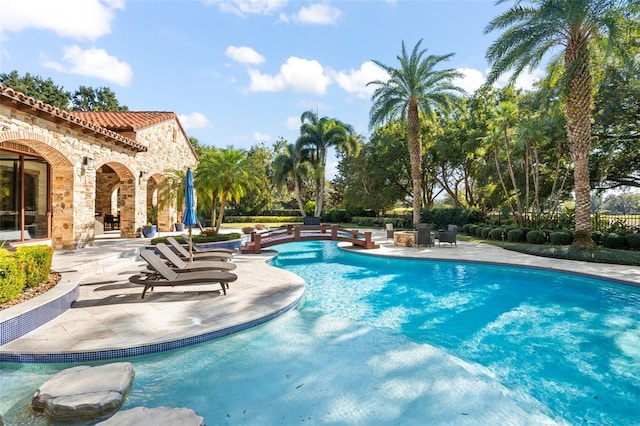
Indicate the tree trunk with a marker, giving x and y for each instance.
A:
(577, 109)
(415, 155)
(298, 195)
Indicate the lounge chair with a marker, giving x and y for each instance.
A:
(448, 236)
(163, 275)
(197, 249)
(182, 252)
(423, 235)
(180, 265)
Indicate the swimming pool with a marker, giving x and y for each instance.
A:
(357, 351)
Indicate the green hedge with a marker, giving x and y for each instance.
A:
(600, 255)
(443, 217)
(496, 234)
(536, 237)
(613, 240)
(633, 241)
(560, 238)
(12, 276)
(263, 219)
(36, 261)
(516, 236)
(200, 239)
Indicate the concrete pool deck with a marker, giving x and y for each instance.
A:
(110, 317)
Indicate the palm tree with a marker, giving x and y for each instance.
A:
(289, 168)
(171, 189)
(225, 175)
(317, 135)
(412, 89)
(531, 29)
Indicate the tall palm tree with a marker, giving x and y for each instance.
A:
(225, 173)
(318, 135)
(171, 189)
(531, 29)
(289, 168)
(412, 89)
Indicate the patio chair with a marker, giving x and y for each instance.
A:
(182, 252)
(390, 230)
(423, 235)
(180, 265)
(165, 276)
(448, 236)
(197, 249)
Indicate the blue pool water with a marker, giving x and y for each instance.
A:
(360, 350)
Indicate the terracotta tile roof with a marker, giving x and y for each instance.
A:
(19, 100)
(119, 121)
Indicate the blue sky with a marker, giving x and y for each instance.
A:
(240, 72)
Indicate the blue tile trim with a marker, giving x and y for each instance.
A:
(141, 350)
(28, 321)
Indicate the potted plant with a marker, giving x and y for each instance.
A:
(179, 226)
(149, 230)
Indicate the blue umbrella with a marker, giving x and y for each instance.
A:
(189, 217)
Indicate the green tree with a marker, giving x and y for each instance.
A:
(317, 135)
(171, 189)
(414, 88)
(223, 175)
(260, 195)
(38, 88)
(289, 170)
(92, 99)
(531, 29)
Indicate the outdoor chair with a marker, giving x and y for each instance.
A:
(390, 230)
(184, 253)
(165, 276)
(197, 249)
(448, 236)
(423, 235)
(180, 265)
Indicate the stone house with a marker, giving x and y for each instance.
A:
(63, 173)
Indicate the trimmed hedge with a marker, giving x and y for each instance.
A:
(613, 240)
(12, 276)
(199, 239)
(560, 238)
(496, 234)
(262, 219)
(536, 237)
(36, 262)
(633, 241)
(600, 255)
(516, 236)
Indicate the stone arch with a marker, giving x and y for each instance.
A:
(112, 176)
(60, 211)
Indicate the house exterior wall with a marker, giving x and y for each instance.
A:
(73, 185)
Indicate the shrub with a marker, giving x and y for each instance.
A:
(497, 233)
(472, 229)
(560, 238)
(36, 261)
(337, 216)
(465, 228)
(516, 236)
(485, 232)
(597, 237)
(12, 276)
(600, 255)
(633, 241)
(536, 237)
(613, 240)
(263, 219)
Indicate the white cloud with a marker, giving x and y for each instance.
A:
(86, 19)
(244, 55)
(316, 14)
(195, 120)
(471, 79)
(93, 63)
(298, 75)
(248, 7)
(261, 137)
(525, 80)
(355, 81)
(293, 122)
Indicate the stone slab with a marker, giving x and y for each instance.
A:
(159, 416)
(84, 391)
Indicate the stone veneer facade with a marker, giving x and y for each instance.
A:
(79, 191)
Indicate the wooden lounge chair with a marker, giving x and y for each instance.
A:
(182, 252)
(180, 265)
(197, 249)
(165, 276)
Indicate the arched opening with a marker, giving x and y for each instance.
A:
(115, 200)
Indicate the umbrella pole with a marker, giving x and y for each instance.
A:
(190, 247)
